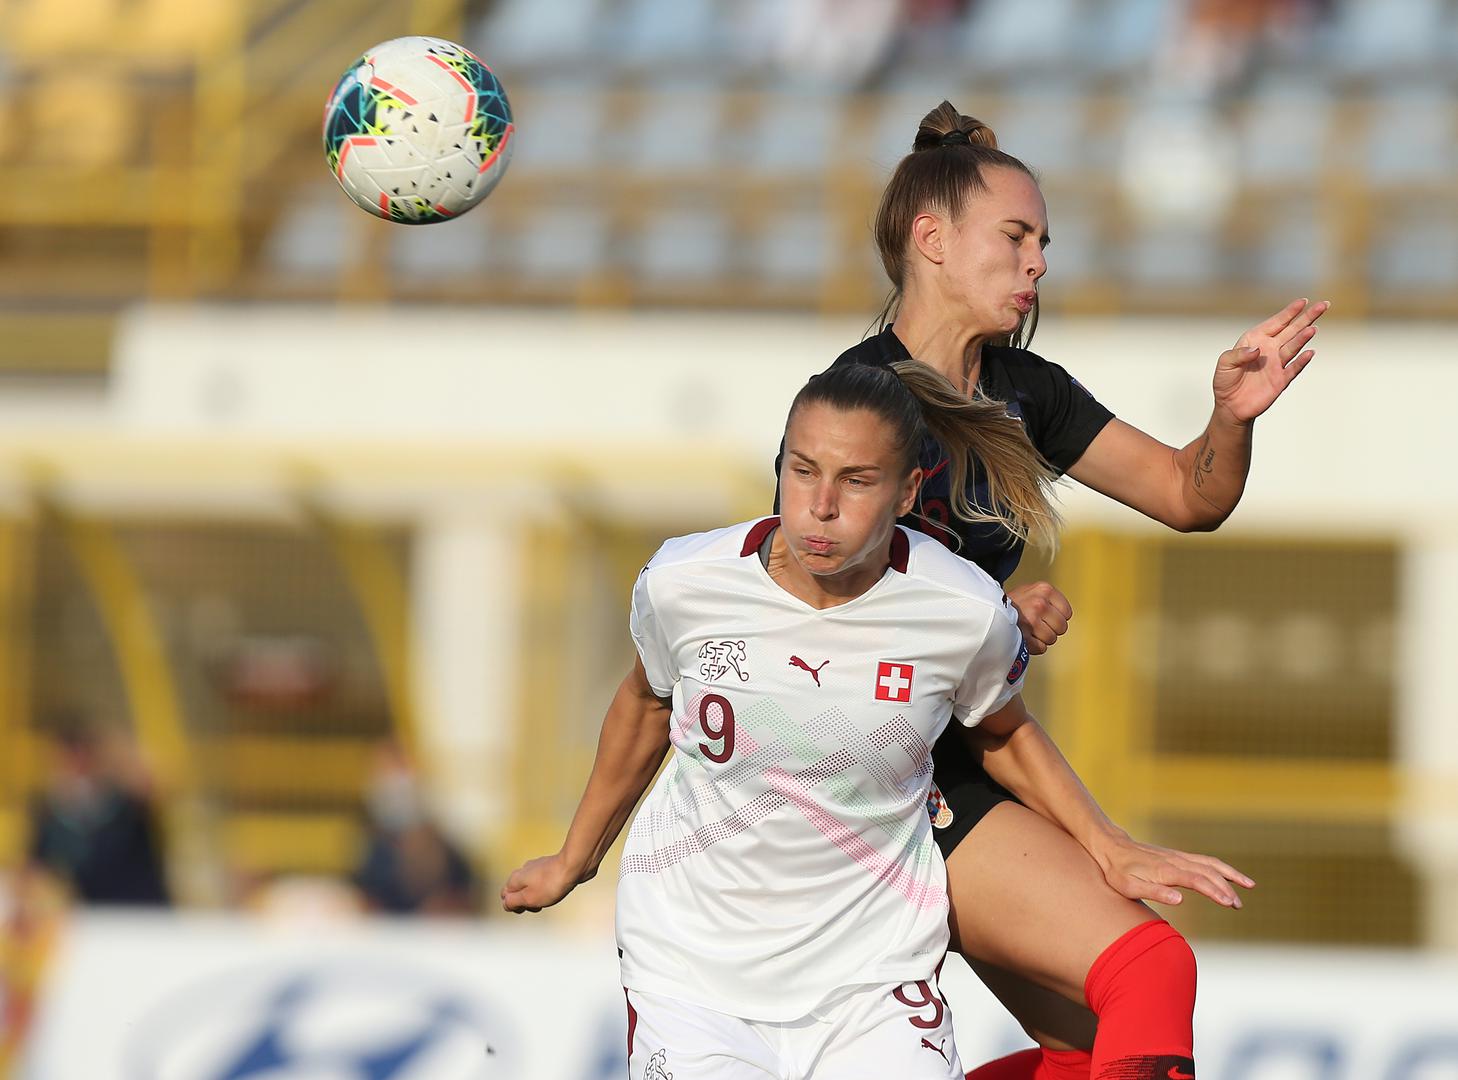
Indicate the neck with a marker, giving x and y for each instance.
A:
(939, 336)
(823, 591)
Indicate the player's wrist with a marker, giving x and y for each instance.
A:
(575, 867)
(1103, 840)
(1227, 416)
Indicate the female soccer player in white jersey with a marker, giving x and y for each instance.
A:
(781, 907)
(961, 231)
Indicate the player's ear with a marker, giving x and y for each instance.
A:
(910, 487)
(927, 235)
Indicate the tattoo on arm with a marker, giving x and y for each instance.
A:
(1204, 463)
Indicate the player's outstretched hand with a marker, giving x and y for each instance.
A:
(1043, 614)
(1149, 872)
(1267, 359)
(537, 884)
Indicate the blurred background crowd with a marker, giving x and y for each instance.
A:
(238, 662)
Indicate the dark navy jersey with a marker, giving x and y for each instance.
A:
(1059, 415)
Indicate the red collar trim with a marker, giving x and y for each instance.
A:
(756, 536)
(900, 549)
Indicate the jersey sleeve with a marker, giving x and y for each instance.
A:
(1069, 416)
(995, 672)
(648, 637)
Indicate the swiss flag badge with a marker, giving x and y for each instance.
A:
(893, 681)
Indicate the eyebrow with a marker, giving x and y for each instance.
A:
(1047, 239)
(808, 460)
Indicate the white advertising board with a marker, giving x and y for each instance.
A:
(166, 997)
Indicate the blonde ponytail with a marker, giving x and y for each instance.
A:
(978, 434)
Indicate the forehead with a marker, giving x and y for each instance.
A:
(1011, 193)
(831, 435)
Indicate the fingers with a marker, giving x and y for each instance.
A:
(1224, 869)
(1281, 319)
(1059, 603)
(1211, 886)
(1309, 315)
(1240, 356)
(1141, 888)
(1039, 636)
(1296, 343)
(1297, 366)
(1043, 614)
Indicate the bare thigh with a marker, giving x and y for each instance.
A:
(1027, 899)
(1050, 1019)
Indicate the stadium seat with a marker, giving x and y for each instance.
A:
(687, 244)
(795, 247)
(1013, 38)
(1120, 36)
(1416, 250)
(665, 35)
(793, 133)
(1411, 138)
(1368, 39)
(311, 238)
(560, 128)
(1073, 256)
(677, 129)
(528, 34)
(447, 254)
(559, 243)
(1173, 256)
(1289, 248)
(1282, 132)
(1047, 131)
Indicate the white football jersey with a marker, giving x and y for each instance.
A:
(785, 851)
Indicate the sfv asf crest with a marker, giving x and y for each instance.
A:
(721, 657)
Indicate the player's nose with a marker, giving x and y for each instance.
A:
(823, 506)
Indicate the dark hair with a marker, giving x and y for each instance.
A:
(948, 161)
(917, 401)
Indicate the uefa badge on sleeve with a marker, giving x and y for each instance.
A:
(1019, 665)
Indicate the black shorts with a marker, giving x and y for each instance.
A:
(968, 793)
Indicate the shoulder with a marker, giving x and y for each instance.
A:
(1020, 362)
(716, 545)
(931, 563)
(879, 350)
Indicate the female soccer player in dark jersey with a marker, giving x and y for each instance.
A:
(1053, 925)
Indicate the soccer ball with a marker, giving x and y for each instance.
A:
(418, 130)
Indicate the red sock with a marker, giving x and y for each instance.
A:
(1142, 988)
(1036, 1064)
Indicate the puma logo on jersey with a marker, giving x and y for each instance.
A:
(721, 657)
(657, 1067)
(795, 661)
(939, 1049)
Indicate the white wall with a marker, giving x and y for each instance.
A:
(1358, 442)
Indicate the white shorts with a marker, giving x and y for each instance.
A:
(868, 1033)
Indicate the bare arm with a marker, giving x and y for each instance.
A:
(629, 751)
(1195, 488)
(1018, 754)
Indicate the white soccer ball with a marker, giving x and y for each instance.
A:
(418, 130)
